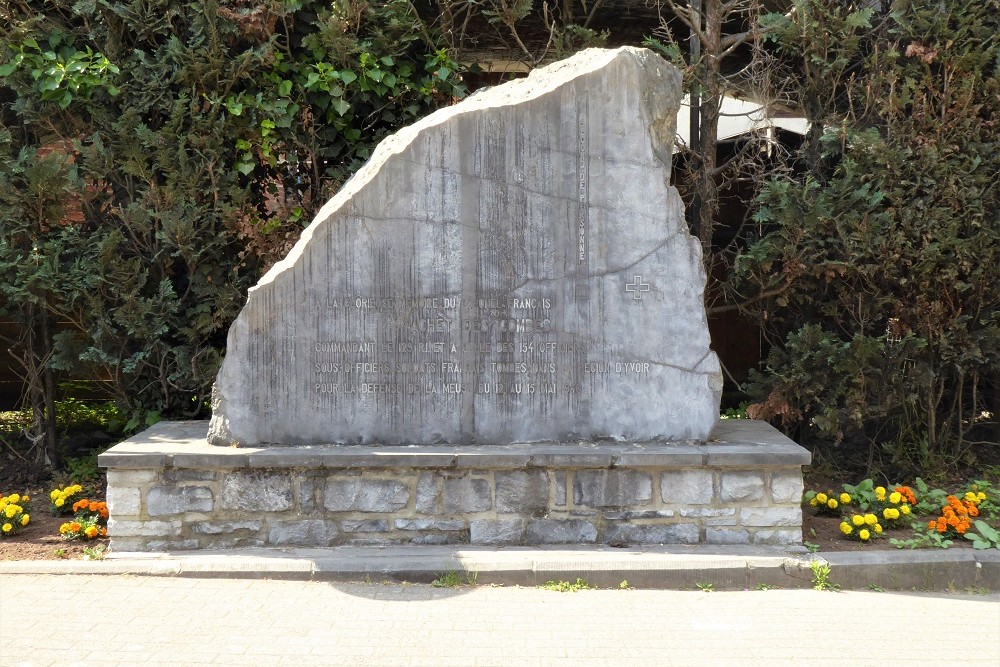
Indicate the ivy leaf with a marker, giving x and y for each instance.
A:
(65, 100)
(341, 107)
(244, 168)
(347, 76)
(285, 88)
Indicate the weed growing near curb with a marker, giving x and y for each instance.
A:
(567, 587)
(821, 577)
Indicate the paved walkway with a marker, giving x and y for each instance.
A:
(117, 620)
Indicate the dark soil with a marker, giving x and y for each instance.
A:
(40, 539)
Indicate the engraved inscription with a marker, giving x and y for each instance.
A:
(637, 287)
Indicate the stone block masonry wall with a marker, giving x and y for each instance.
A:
(666, 493)
(208, 509)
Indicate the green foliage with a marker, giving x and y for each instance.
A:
(929, 500)
(453, 579)
(922, 539)
(821, 576)
(566, 586)
(985, 537)
(155, 158)
(863, 494)
(880, 263)
(84, 469)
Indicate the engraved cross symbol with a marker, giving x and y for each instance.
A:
(637, 288)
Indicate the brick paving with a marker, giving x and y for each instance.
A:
(129, 620)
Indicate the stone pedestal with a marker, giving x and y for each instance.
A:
(168, 489)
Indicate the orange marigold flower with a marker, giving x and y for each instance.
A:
(91, 531)
(94, 506)
(104, 532)
(74, 527)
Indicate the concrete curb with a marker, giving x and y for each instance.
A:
(671, 568)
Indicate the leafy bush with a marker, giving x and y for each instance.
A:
(155, 159)
(880, 262)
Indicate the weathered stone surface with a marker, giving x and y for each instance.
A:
(521, 491)
(225, 527)
(307, 533)
(612, 488)
(364, 495)
(125, 528)
(484, 531)
(558, 531)
(630, 533)
(364, 526)
(428, 493)
(514, 268)
(131, 477)
(726, 536)
(786, 486)
(162, 500)
(739, 486)
(777, 538)
(307, 495)
(428, 524)
(188, 475)
(172, 545)
(771, 516)
(686, 487)
(123, 500)
(560, 489)
(257, 491)
(465, 494)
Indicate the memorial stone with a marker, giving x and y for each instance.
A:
(514, 268)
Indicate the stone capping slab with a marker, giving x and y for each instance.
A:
(733, 443)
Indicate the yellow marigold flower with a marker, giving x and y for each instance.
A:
(60, 502)
(857, 520)
(13, 498)
(25, 498)
(25, 519)
(7, 528)
(813, 502)
(11, 510)
(832, 503)
(905, 509)
(63, 529)
(895, 497)
(91, 532)
(871, 519)
(54, 494)
(878, 529)
(864, 534)
(821, 497)
(846, 528)
(980, 496)
(880, 492)
(845, 498)
(970, 496)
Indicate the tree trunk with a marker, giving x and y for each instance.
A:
(49, 394)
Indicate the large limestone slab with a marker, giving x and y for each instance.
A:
(513, 268)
